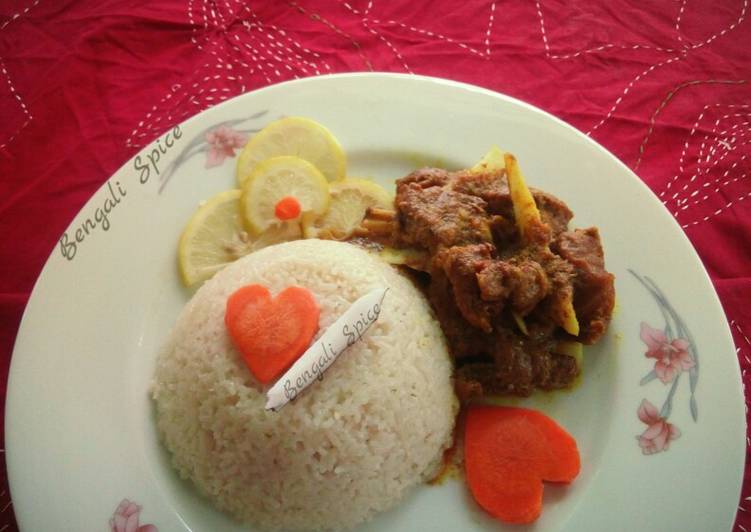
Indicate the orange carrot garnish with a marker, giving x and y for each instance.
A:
(508, 453)
(287, 208)
(271, 333)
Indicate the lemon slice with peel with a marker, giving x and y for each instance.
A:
(215, 236)
(296, 136)
(350, 199)
(282, 179)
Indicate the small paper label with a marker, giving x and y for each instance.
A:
(345, 331)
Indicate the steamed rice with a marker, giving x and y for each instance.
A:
(349, 446)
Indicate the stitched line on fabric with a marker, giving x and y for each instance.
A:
(681, 168)
(724, 139)
(748, 343)
(430, 34)
(729, 143)
(18, 98)
(19, 14)
(318, 18)
(609, 46)
(718, 211)
(667, 99)
(678, 23)
(685, 205)
(392, 47)
(684, 51)
(304, 49)
(628, 88)
(277, 41)
(269, 51)
(380, 36)
(490, 27)
(388, 43)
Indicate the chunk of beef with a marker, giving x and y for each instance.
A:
(519, 365)
(494, 280)
(501, 362)
(450, 218)
(553, 211)
(435, 217)
(594, 287)
(424, 178)
(530, 285)
(560, 274)
(492, 187)
(460, 264)
(523, 283)
(505, 234)
(464, 341)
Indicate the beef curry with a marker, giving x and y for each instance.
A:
(509, 282)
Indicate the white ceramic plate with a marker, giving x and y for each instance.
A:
(79, 425)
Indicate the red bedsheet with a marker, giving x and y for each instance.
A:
(664, 85)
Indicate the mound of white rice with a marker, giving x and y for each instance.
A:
(349, 446)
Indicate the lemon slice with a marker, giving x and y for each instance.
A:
(350, 199)
(281, 178)
(215, 236)
(297, 136)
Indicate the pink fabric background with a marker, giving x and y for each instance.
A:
(663, 84)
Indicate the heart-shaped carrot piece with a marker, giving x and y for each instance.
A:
(271, 333)
(508, 453)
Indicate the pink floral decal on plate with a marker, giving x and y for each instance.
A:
(218, 142)
(222, 142)
(659, 432)
(674, 353)
(125, 519)
(671, 356)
